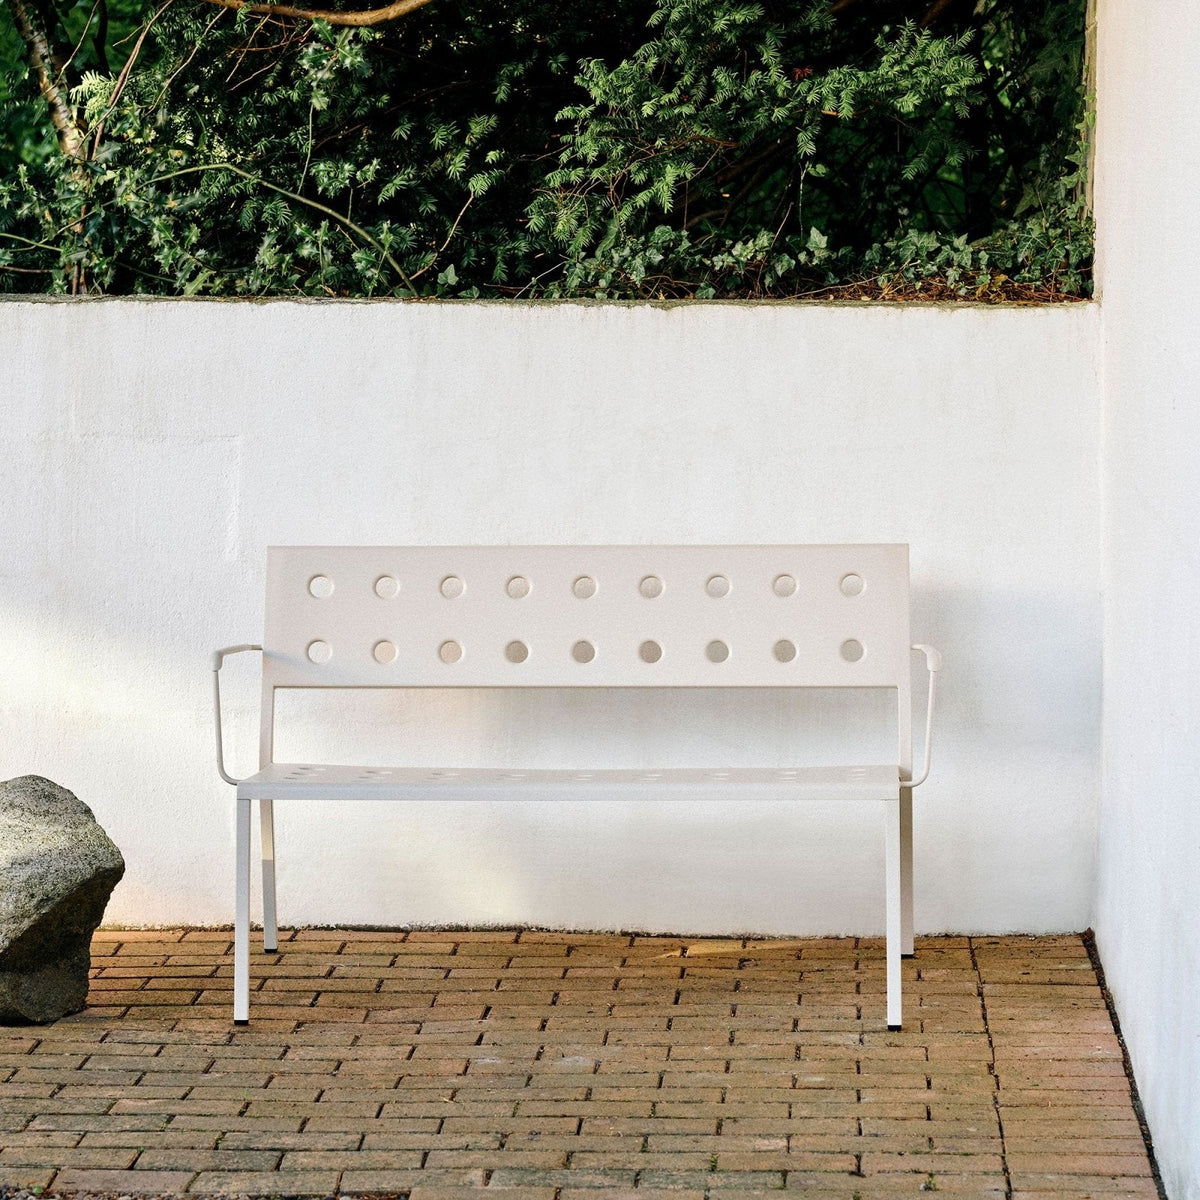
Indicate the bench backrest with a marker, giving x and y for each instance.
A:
(592, 616)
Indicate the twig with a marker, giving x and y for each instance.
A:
(175, 74)
(247, 45)
(417, 274)
(123, 77)
(62, 70)
(16, 237)
(935, 10)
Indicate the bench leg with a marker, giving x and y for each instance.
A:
(906, 873)
(266, 814)
(892, 884)
(241, 917)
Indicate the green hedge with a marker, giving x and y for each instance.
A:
(636, 149)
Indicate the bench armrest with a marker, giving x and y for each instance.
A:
(218, 659)
(933, 664)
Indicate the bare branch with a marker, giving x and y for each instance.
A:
(123, 77)
(932, 13)
(442, 247)
(367, 16)
(936, 9)
(62, 70)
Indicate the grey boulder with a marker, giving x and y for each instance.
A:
(57, 871)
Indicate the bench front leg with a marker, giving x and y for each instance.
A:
(892, 872)
(266, 814)
(906, 873)
(241, 917)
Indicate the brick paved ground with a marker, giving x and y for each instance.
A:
(574, 1066)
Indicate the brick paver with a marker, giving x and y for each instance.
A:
(569, 1066)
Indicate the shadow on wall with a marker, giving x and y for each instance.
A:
(1012, 793)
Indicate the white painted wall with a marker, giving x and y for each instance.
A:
(154, 449)
(1148, 209)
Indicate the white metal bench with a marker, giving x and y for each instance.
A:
(593, 616)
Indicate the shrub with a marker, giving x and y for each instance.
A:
(648, 148)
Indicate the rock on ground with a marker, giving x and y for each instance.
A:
(57, 871)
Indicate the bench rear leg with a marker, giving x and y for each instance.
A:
(892, 873)
(906, 873)
(241, 917)
(266, 813)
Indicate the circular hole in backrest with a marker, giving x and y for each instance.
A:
(320, 586)
(452, 587)
(384, 652)
(584, 587)
(784, 585)
(852, 585)
(518, 587)
(651, 587)
(583, 652)
(319, 651)
(387, 587)
(717, 586)
(516, 652)
(650, 652)
(716, 651)
(852, 650)
(785, 650)
(450, 651)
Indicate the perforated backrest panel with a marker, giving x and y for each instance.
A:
(599, 616)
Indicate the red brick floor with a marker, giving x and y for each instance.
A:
(572, 1067)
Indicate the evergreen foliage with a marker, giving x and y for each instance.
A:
(627, 149)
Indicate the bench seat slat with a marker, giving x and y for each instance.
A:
(300, 781)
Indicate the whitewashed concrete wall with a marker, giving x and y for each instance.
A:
(1148, 918)
(154, 449)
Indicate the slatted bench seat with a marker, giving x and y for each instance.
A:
(593, 616)
(313, 781)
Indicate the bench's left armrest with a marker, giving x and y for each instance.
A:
(218, 659)
(933, 664)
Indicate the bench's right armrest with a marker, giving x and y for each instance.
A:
(933, 664)
(218, 659)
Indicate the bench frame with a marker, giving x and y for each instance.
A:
(738, 616)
